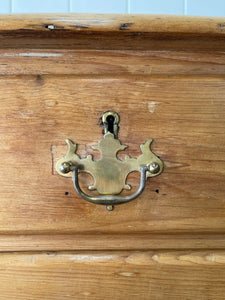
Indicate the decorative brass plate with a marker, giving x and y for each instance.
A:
(109, 172)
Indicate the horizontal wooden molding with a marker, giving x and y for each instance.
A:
(106, 275)
(103, 31)
(113, 23)
(67, 242)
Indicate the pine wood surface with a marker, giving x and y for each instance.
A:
(164, 75)
(80, 31)
(110, 62)
(113, 23)
(185, 116)
(113, 275)
(101, 241)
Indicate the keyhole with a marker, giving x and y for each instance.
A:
(110, 120)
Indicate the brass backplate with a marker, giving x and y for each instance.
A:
(110, 172)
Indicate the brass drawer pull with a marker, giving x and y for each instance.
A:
(109, 200)
(109, 172)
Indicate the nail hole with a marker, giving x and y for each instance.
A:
(67, 193)
(157, 191)
(51, 27)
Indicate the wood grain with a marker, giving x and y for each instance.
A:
(113, 23)
(145, 32)
(184, 114)
(100, 241)
(164, 75)
(116, 62)
(113, 275)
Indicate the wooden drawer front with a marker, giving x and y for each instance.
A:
(164, 76)
(118, 275)
(185, 116)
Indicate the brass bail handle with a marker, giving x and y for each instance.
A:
(109, 172)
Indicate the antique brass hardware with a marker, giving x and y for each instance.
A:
(109, 172)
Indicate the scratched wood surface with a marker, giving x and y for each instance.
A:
(185, 116)
(164, 75)
(144, 32)
(175, 97)
(110, 62)
(113, 275)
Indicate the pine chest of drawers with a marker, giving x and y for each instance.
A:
(164, 76)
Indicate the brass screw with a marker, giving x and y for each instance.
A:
(65, 167)
(154, 168)
(110, 207)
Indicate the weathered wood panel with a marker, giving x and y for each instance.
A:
(113, 23)
(113, 275)
(120, 241)
(165, 78)
(117, 62)
(74, 31)
(184, 114)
